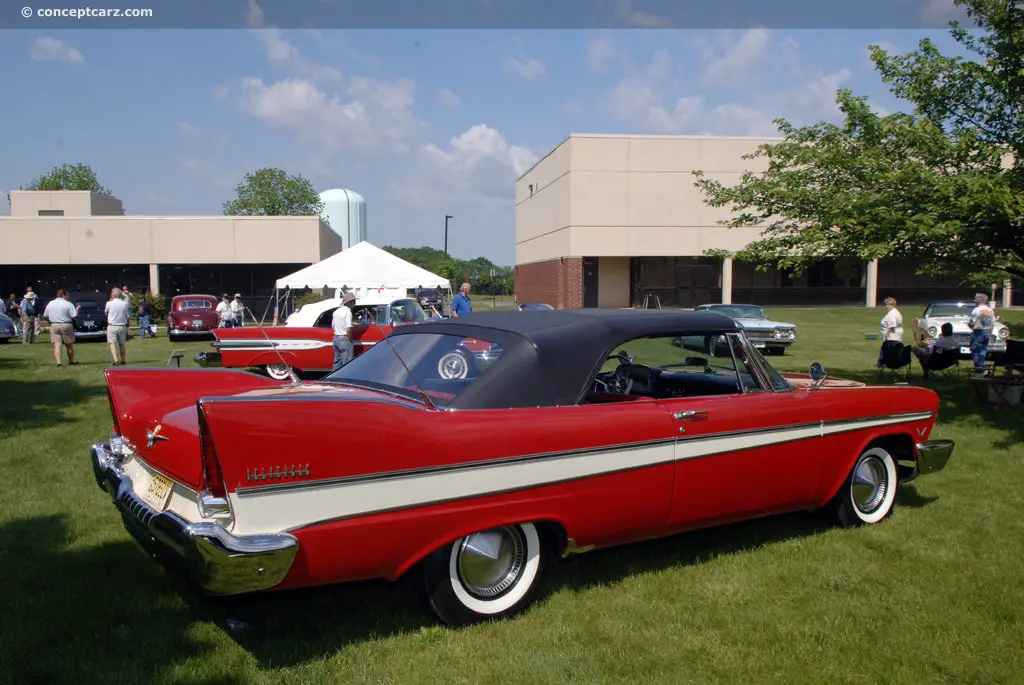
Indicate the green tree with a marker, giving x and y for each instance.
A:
(942, 187)
(69, 177)
(273, 192)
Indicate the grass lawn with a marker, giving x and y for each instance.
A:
(933, 595)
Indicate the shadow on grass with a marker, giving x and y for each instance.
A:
(99, 614)
(27, 404)
(957, 402)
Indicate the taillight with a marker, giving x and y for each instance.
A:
(113, 412)
(213, 477)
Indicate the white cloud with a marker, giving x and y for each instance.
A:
(885, 45)
(476, 170)
(192, 131)
(739, 61)
(187, 129)
(640, 19)
(372, 118)
(281, 53)
(573, 108)
(601, 50)
(221, 93)
(208, 172)
(448, 98)
(47, 48)
(652, 100)
(941, 11)
(527, 68)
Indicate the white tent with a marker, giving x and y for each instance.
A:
(363, 267)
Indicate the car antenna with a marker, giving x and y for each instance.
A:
(295, 380)
(384, 338)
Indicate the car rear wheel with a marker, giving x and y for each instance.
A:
(279, 372)
(869, 491)
(486, 575)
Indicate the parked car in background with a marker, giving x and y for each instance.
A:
(306, 342)
(430, 297)
(191, 316)
(771, 336)
(526, 306)
(590, 429)
(90, 321)
(7, 329)
(928, 327)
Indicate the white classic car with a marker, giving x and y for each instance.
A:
(771, 336)
(929, 326)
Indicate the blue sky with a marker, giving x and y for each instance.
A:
(421, 123)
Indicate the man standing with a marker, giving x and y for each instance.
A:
(29, 321)
(237, 310)
(14, 313)
(891, 327)
(224, 311)
(117, 310)
(341, 322)
(982, 319)
(461, 304)
(61, 315)
(145, 313)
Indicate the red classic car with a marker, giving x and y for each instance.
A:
(589, 428)
(192, 315)
(306, 342)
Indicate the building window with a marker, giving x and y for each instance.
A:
(51, 212)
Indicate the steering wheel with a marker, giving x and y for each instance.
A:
(621, 382)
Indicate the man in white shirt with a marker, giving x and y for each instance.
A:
(237, 310)
(61, 315)
(224, 311)
(341, 322)
(981, 321)
(924, 353)
(891, 327)
(118, 309)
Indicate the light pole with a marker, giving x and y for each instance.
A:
(446, 217)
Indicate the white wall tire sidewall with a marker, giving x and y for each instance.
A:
(510, 599)
(890, 494)
(276, 374)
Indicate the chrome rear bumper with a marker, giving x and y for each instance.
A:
(210, 557)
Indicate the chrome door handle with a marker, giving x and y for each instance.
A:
(689, 414)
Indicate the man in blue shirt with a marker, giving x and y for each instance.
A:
(461, 304)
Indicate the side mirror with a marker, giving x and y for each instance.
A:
(817, 372)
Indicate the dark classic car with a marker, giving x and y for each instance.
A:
(191, 316)
(589, 428)
(7, 329)
(91, 320)
(430, 298)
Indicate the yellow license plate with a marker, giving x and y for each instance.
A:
(159, 491)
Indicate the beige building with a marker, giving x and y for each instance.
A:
(84, 242)
(616, 221)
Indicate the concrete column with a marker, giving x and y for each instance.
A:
(871, 289)
(154, 279)
(1007, 293)
(727, 280)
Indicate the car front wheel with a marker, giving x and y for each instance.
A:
(279, 372)
(486, 575)
(869, 491)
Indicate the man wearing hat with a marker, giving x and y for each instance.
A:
(224, 311)
(341, 322)
(29, 312)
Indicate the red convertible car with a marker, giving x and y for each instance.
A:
(306, 342)
(589, 428)
(191, 316)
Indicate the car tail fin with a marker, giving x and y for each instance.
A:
(213, 476)
(113, 411)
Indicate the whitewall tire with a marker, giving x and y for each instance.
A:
(869, 491)
(279, 372)
(486, 575)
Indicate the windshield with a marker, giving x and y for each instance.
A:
(194, 304)
(407, 311)
(779, 383)
(443, 366)
(739, 311)
(950, 310)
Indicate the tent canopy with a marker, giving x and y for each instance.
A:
(363, 267)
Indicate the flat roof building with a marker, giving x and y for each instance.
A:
(616, 221)
(84, 241)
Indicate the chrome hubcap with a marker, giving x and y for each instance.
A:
(870, 484)
(490, 562)
(277, 370)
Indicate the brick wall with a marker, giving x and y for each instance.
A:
(558, 282)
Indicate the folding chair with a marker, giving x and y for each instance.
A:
(945, 363)
(895, 357)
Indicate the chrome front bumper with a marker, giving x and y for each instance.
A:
(208, 359)
(211, 558)
(932, 455)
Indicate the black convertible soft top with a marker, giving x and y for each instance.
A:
(549, 357)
